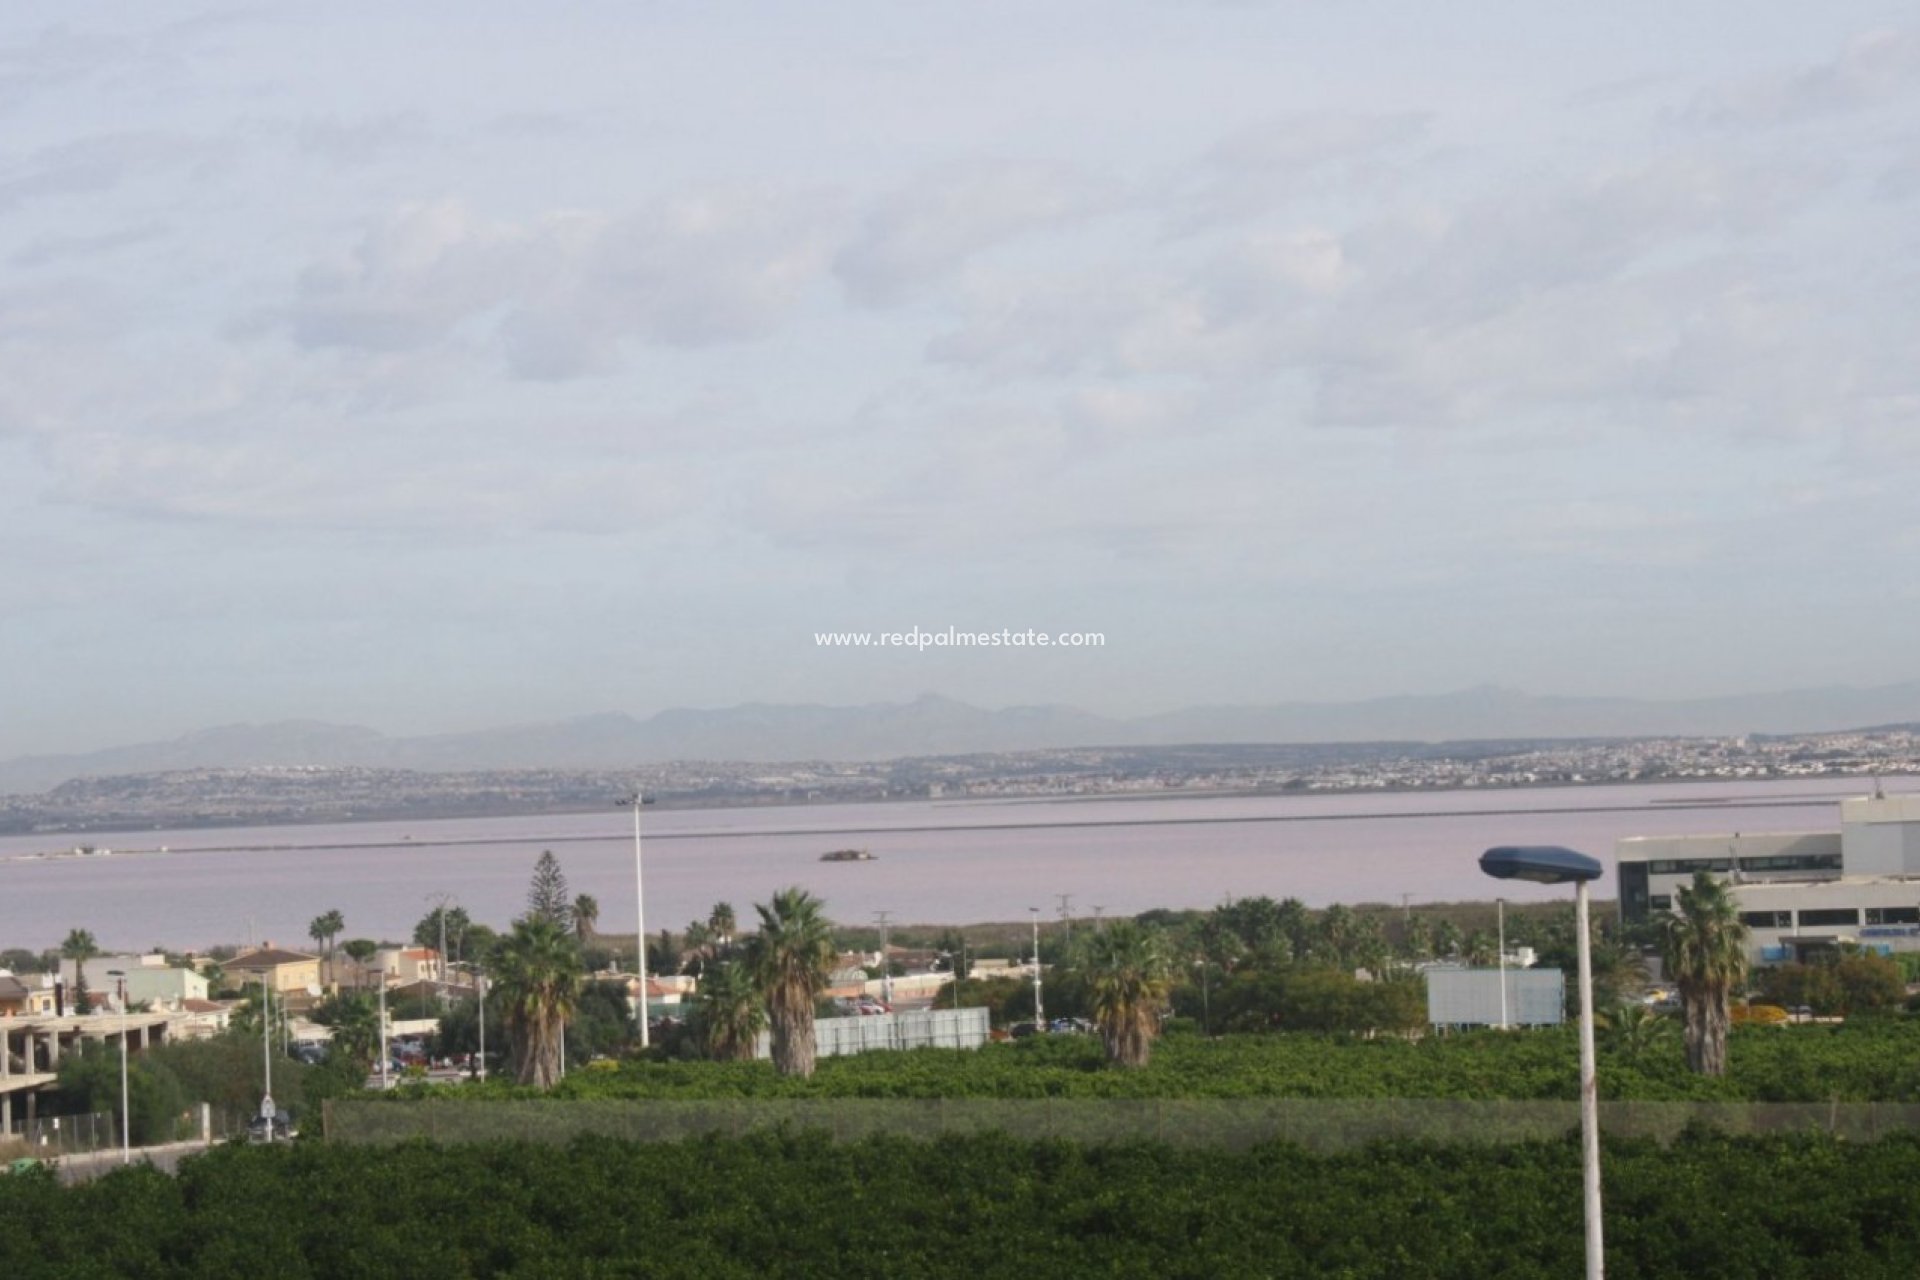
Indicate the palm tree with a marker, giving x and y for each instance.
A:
(790, 959)
(1704, 948)
(729, 1014)
(537, 978)
(586, 914)
(356, 1029)
(1128, 973)
(721, 926)
(324, 929)
(80, 947)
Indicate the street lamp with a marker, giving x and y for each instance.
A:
(1039, 1014)
(1551, 864)
(637, 799)
(126, 1115)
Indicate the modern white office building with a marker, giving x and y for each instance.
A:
(1798, 891)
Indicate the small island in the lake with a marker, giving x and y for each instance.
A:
(847, 855)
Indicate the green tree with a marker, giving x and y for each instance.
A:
(547, 896)
(459, 930)
(728, 1012)
(586, 914)
(355, 1020)
(324, 930)
(790, 959)
(722, 925)
(537, 975)
(1704, 949)
(1128, 971)
(80, 947)
(92, 1083)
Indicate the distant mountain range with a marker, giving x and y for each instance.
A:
(932, 725)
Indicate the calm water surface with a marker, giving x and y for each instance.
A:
(934, 861)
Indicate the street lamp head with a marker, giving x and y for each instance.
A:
(1540, 863)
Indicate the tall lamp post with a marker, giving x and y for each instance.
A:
(1551, 864)
(637, 799)
(1039, 1014)
(126, 1115)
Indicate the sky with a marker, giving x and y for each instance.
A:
(440, 366)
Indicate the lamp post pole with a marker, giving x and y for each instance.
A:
(1550, 864)
(480, 995)
(1039, 1013)
(126, 1115)
(267, 1108)
(640, 917)
(1589, 1093)
(1501, 904)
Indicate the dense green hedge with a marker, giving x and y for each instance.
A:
(779, 1205)
(1863, 1061)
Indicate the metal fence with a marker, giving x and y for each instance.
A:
(49, 1136)
(917, 1029)
(1319, 1124)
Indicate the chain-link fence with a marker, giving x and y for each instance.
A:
(1313, 1123)
(46, 1137)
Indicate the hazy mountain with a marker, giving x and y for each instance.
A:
(934, 725)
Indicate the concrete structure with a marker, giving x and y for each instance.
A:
(1797, 891)
(284, 971)
(31, 1050)
(403, 965)
(149, 978)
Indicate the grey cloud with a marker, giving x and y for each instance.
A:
(364, 140)
(49, 249)
(558, 294)
(1876, 69)
(917, 236)
(88, 166)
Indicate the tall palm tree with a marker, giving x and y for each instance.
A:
(538, 981)
(721, 925)
(80, 947)
(729, 1013)
(586, 914)
(1704, 948)
(1128, 971)
(324, 929)
(790, 959)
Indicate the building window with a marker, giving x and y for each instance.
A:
(1663, 902)
(1767, 919)
(1687, 866)
(1893, 915)
(1793, 862)
(1830, 915)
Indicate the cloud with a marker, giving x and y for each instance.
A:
(556, 296)
(49, 249)
(1874, 70)
(97, 164)
(912, 240)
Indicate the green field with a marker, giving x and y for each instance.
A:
(800, 1206)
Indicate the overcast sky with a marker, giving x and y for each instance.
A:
(435, 366)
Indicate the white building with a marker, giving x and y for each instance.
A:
(1797, 891)
(149, 980)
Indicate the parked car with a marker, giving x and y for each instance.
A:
(283, 1129)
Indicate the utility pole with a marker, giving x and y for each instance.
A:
(267, 1108)
(886, 965)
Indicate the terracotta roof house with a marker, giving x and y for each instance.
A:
(284, 971)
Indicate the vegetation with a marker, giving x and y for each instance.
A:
(782, 1205)
(729, 1013)
(80, 947)
(1876, 1060)
(547, 896)
(1126, 968)
(790, 959)
(537, 976)
(1704, 948)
